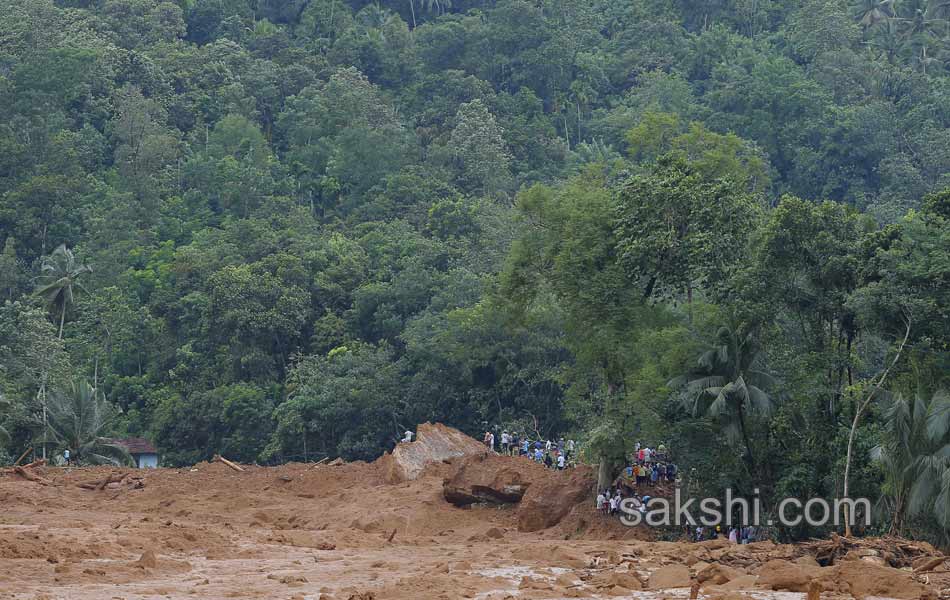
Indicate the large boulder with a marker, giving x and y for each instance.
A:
(491, 478)
(670, 576)
(545, 496)
(435, 443)
(784, 575)
(551, 498)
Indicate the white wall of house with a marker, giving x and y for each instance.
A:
(146, 461)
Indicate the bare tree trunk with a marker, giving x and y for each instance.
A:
(603, 474)
(62, 320)
(854, 427)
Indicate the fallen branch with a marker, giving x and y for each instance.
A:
(22, 456)
(112, 478)
(931, 564)
(30, 475)
(36, 463)
(391, 536)
(219, 458)
(100, 484)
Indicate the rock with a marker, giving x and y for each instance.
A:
(716, 574)
(866, 579)
(551, 498)
(784, 575)
(566, 558)
(434, 444)
(494, 533)
(148, 560)
(626, 580)
(742, 582)
(807, 561)
(670, 576)
(618, 591)
(489, 478)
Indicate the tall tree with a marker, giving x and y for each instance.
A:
(729, 385)
(59, 281)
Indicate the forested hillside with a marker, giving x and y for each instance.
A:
(289, 229)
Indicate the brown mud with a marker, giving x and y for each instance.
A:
(357, 531)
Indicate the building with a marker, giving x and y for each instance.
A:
(143, 452)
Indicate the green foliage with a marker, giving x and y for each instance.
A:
(676, 230)
(79, 418)
(316, 224)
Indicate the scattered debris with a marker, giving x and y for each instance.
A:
(895, 552)
(221, 459)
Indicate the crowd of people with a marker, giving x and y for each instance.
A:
(553, 454)
(736, 535)
(646, 468)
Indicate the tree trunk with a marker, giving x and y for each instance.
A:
(603, 474)
(854, 428)
(62, 320)
(748, 445)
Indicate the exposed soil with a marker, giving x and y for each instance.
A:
(344, 532)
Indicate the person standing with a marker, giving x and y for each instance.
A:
(560, 462)
(505, 442)
(66, 456)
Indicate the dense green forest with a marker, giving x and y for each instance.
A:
(289, 229)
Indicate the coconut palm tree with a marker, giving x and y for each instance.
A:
(60, 281)
(871, 12)
(915, 456)
(439, 7)
(729, 385)
(79, 418)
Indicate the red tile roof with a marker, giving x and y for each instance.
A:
(137, 445)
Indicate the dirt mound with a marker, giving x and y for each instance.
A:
(863, 579)
(434, 444)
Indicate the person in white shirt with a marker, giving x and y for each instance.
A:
(407, 437)
(491, 441)
(614, 500)
(560, 461)
(66, 456)
(505, 442)
(601, 500)
(547, 446)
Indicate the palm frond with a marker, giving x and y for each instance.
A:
(938, 417)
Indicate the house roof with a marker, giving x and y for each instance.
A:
(137, 445)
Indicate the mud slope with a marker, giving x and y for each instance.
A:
(344, 532)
